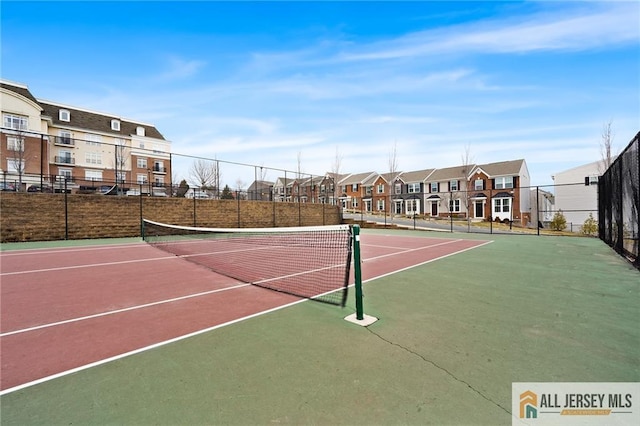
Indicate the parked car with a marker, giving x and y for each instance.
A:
(37, 188)
(4, 186)
(133, 192)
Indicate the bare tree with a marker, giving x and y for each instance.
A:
(240, 192)
(205, 174)
(393, 159)
(299, 170)
(335, 172)
(606, 147)
(393, 169)
(120, 164)
(467, 163)
(20, 156)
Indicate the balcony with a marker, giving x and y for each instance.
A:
(64, 160)
(159, 169)
(63, 141)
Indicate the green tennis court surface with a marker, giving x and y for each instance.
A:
(453, 335)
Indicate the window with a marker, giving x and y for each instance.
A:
(412, 206)
(158, 166)
(380, 188)
(453, 185)
(354, 202)
(434, 186)
(142, 163)
(413, 188)
(115, 125)
(368, 189)
(140, 131)
(93, 158)
(64, 115)
(65, 174)
(141, 178)
(15, 122)
(94, 175)
(454, 205)
(478, 185)
(398, 188)
(591, 180)
(502, 205)
(354, 187)
(15, 144)
(64, 157)
(380, 205)
(92, 139)
(15, 165)
(122, 177)
(504, 182)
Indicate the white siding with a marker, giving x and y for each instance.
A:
(572, 194)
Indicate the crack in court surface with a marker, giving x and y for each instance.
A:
(450, 374)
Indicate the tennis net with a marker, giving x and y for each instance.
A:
(311, 262)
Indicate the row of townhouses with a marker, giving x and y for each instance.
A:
(499, 191)
(49, 143)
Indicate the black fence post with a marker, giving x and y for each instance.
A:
(66, 212)
(141, 217)
(195, 222)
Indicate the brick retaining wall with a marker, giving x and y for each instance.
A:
(41, 217)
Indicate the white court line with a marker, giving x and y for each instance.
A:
(423, 263)
(122, 262)
(90, 265)
(144, 349)
(160, 302)
(118, 311)
(408, 250)
(206, 330)
(22, 252)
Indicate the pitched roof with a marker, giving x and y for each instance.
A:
(356, 178)
(19, 89)
(450, 173)
(415, 176)
(501, 168)
(98, 122)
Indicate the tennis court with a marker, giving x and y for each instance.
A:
(129, 334)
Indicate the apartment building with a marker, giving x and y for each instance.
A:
(65, 147)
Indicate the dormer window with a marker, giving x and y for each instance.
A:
(65, 115)
(140, 131)
(115, 125)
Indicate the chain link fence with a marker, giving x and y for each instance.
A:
(619, 203)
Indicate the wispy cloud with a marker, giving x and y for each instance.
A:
(178, 68)
(583, 28)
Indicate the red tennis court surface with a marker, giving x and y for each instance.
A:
(67, 309)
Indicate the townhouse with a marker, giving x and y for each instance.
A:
(408, 192)
(65, 147)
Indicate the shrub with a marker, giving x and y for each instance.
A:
(559, 223)
(590, 226)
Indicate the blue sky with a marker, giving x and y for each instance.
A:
(292, 83)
